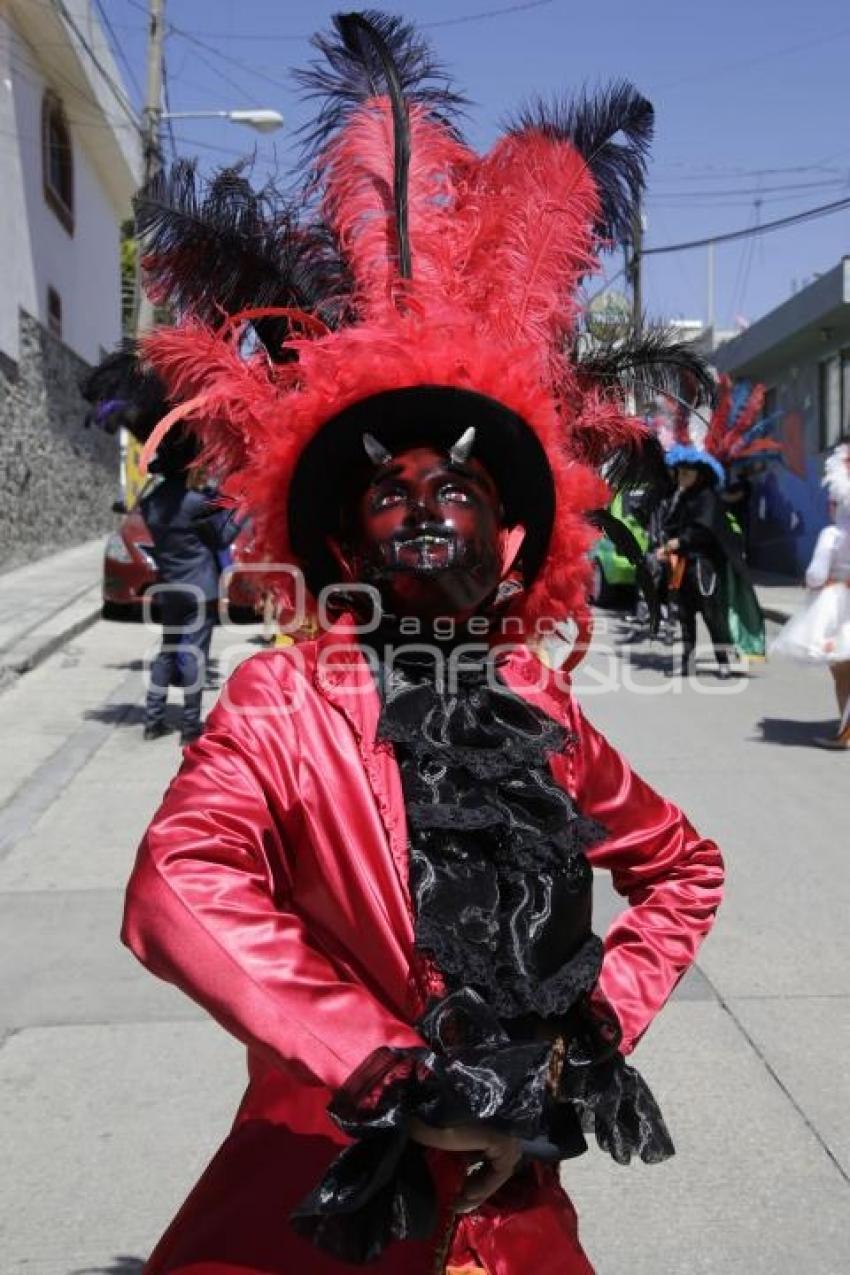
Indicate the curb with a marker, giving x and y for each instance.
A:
(60, 629)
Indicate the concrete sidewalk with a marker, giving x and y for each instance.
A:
(45, 604)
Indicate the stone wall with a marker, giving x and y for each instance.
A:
(57, 479)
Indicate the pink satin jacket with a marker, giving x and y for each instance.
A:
(272, 888)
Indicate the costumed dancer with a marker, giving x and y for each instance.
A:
(702, 546)
(375, 866)
(696, 542)
(189, 534)
(820, 632)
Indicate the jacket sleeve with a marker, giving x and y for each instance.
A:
(207, 909)
(671, 876)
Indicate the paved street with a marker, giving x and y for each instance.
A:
(114, 1090)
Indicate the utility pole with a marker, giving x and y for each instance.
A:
(711, 302)
(151, 152)
(634, 271)
(634, 256)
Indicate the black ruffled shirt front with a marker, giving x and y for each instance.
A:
(500, 883)
(502, 896)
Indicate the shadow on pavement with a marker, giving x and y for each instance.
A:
(117, 714)
(794, 734)
(654, 661)
(121, 1265)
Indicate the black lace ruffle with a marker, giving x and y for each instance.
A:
(379, 1189)
(500, 882)
(612, 1100)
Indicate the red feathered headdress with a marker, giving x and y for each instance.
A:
(421, 266)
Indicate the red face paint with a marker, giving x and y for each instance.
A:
(428, 534)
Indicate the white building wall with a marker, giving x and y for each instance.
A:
(37, 250)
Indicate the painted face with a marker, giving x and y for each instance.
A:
(428, 535)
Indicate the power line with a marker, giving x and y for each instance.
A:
(253, 71)
(793, 219)
(266, 36)
(249, 97)
(52, 77)
(118, 50)
(755, 191)
(166, 96)
(116, 91)
(487, 13)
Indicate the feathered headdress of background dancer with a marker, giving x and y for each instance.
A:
(417, 286)
(738, 429)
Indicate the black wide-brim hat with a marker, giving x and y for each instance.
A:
(333, 468)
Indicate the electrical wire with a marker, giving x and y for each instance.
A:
(118, 50)
(117, 92)
(482, 16)
(809, 214)
(52, 77)
(825, 184)
(166, 97)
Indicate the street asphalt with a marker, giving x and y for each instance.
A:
(115, 1090)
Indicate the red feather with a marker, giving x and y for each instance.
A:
(720, 417)
(745, 419)
(536, 202)
(357, 173)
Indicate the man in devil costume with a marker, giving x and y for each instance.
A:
(375, 866)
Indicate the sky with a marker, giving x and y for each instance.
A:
(751, 98)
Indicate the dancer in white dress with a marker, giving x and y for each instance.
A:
(820, 633)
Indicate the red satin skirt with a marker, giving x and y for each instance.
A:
(235, 1220)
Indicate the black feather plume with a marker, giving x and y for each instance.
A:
(365, 43)
(350, 71)
(612, 130)
(655, 362)
(218, 246)
(629, 548)
(123, 394)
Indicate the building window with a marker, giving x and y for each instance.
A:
(845, 394)
(54, 313)
(57, 160)
(830, 401)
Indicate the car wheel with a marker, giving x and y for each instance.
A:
(120, 612)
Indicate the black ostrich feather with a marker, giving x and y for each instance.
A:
(628, 546)
(214, 247)
(612, 130)
(655, 362)
(123, 394)
(351, 70)
(639, 463)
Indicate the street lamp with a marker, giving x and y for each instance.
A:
(262, 121)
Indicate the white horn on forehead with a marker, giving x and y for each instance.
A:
(462, 449)
(376, 451)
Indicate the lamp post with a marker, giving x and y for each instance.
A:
(262, 121)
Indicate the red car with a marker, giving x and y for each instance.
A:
(129, 570)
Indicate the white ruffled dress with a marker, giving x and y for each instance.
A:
(820, 633)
